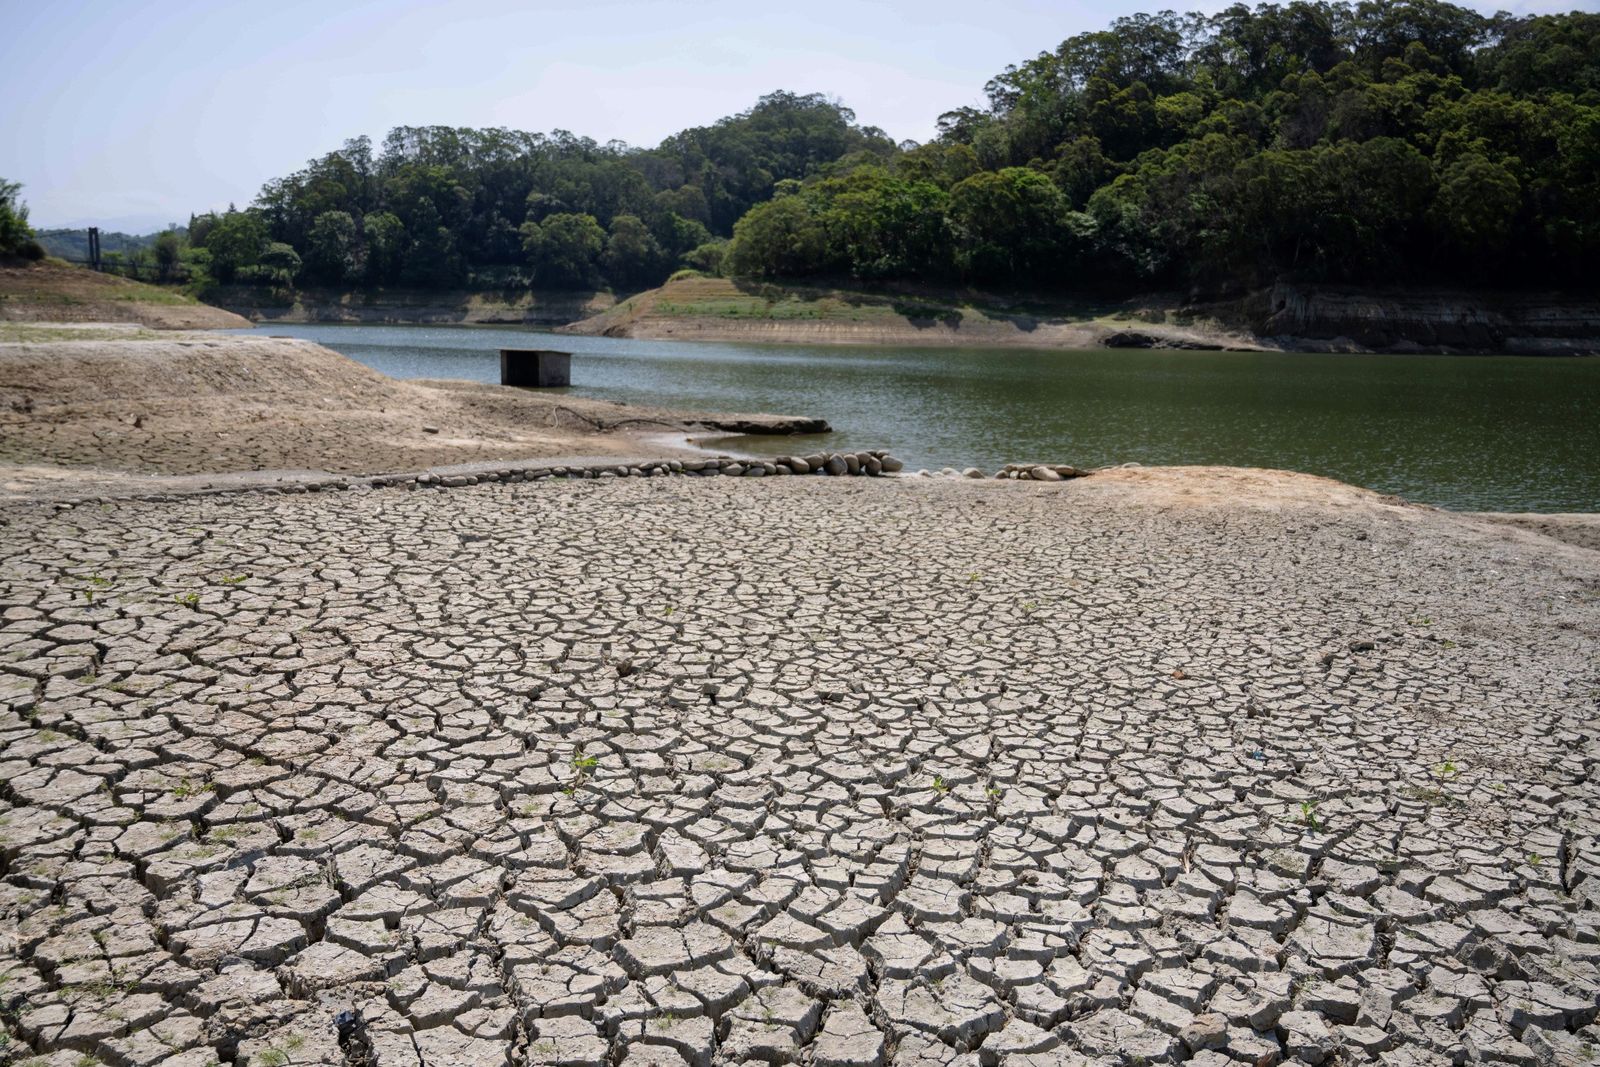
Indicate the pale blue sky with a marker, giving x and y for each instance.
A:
(131, 115)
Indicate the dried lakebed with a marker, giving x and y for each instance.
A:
(1125, 769)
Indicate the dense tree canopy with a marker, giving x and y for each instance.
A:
(435, 206)
(1386, 140)
(1370, 141)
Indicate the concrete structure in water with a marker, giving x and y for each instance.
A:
(537, 367)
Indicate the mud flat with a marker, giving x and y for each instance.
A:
(1148, 766)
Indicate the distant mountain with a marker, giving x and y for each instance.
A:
(74, 244)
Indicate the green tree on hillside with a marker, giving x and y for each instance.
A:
(16, 238)
(281, 263)
(168, 250)
(564, 250)
(386, 247)
(632, 258)
(235, 241)
(332, 249)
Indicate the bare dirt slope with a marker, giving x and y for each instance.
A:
(54, 291)
(191, 403)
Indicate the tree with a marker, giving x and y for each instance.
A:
(708, 257)
(1010, 225)
(235, 241)
(780, 238)
(1476, 206)
(15, 234)
(632, 258)
(169, 256)
(564, 250)
(386, 246)
(331, 249)
(281, 264)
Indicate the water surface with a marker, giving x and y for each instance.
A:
(1465, 432)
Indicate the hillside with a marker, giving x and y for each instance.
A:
(53, 291)
(73, 244)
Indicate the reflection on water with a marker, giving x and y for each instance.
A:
(1482, 433)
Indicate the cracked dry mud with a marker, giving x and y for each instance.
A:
(664, 771)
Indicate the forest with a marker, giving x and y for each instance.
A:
(1380, 142)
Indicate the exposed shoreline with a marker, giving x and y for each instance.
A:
(125, 411)
(532, 307)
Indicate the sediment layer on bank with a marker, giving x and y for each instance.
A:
(1285, 317)
(522, 307)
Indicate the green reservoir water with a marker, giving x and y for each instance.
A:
(1464, 432)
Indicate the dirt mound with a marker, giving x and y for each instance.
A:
(183, 369)
(54, 291)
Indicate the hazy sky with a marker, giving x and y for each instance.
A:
(132, 115)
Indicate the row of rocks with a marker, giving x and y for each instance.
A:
(1017, 472)
(837, 464)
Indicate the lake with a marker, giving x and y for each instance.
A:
(1463, 432)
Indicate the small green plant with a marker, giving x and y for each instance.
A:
(273, 1057)
(585, 763)
(1534, 859)
(1308, 815)
(940, 785)
(233, 579)
(186, 789)
(189, 600)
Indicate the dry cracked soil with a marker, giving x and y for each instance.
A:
(823, 771)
